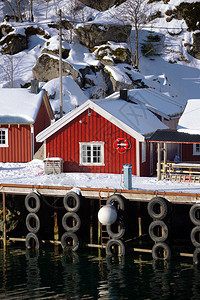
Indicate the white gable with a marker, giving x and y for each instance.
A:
(134, 119)
(190, 119)
(19, 105)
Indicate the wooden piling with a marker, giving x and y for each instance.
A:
(4, 221)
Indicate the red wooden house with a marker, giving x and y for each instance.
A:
(100, 136)
(23, 115)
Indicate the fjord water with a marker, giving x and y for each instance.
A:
(52, 274)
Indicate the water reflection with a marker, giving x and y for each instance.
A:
(52, 274)
(33, 279)
(112, 287)
(71, 277)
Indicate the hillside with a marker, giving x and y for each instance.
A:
(95, 67)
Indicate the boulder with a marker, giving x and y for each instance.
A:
(5, 29)
(190, 13)
(114, 84)
(196, 45)
(13, 43)
(111, 54)
(33, 30)
(101, 5)
(47, 68)
(92, 35)
(65, 52)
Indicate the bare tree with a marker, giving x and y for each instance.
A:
(133, 12)
(9, 65)
(15, 7)
(31, 10)
(71, 12)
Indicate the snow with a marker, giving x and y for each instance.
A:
(153, 100)
(190, 121)
(136, 116)
(174, 72)
(32, 173)
(19, 105)
(72, 95)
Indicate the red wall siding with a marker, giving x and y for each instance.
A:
(42, 121)
(65, 144)
(19, 144)
(187, 153)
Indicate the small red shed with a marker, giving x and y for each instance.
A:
(100, 136)
(23, 115)
(189, 123)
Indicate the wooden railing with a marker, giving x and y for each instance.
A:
(182, 172)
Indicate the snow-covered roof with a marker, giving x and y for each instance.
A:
(190, 121)
(134, 119)
(19, 105)
(154, 101)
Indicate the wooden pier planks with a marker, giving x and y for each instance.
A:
(95, 193)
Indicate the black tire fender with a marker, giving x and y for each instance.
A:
(196, 256)
(160, 202)
(29, 226)
(75, 217)
(72, 197)
(161, 247)
(36, 198)
(116, 199)
(117, 235)
(163, 229)
(32, 236)
(193, 236)
(73, 238)
(118, 243)
(193, 214)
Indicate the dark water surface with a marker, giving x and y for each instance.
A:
(51, 274)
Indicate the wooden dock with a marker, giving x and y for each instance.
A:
(96, 193)
(139, 221)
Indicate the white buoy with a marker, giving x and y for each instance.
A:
(107, 215)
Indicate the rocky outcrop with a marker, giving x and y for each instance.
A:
(33, 30)
(195, 51)
(92, 35)
(13, 43)
(111, 54)
(101, 5)
(190, 12)
(5, 29)
(47, 68)
(114, 84)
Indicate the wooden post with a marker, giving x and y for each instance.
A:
(56, 233)
(4, 221)
(60, 63)
(165, 157)
(159, 162)
(91, 220)
(139, 226)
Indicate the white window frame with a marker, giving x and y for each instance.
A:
(6, 137)
(195, 152)
(92, 144)
(144, 150)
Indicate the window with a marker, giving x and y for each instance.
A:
(4, 137)
(196, 149)
(92, 153)
(143, 152)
